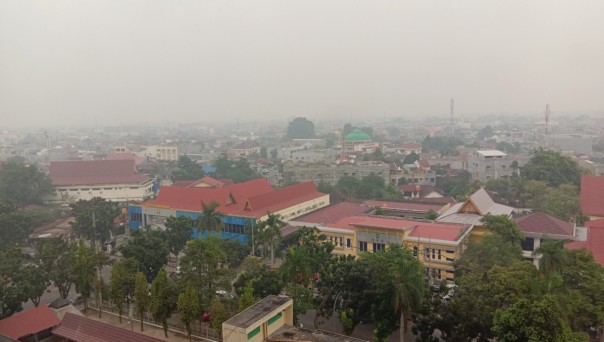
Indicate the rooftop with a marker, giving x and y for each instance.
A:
(287, 333)
(541, 223)
(255, 312)
(334, 213)
(357, 135)
(82, 329)
(491, 153)
(405, 206)
(592, 201)
(28, 322)
(471, 211)
(91, 172)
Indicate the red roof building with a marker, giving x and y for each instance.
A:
(114, 180)
(592, 201)
(82, 329)
(37, 321)
(594, 242)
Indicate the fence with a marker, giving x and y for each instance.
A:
(199, 330)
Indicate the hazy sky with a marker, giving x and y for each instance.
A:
(156, 61)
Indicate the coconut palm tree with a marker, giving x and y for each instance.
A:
(271, 232)
(409, 285)
(211, 221)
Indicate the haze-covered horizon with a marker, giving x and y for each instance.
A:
(105, 62)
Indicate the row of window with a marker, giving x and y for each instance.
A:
(375, 246)
(98, 189)
(433, 253)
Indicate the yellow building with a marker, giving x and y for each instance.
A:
(436, 245)
(260, 320)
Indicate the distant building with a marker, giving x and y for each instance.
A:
(331, 172)
(357, 140)
(593, 240)
(113, 180)
(573, 143)
(489, 164)
(408, 148)
(160, 152)
(244, 149)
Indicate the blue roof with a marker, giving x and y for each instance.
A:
(209, 169)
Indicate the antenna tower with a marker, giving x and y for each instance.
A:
(547, 124)
(452, 122)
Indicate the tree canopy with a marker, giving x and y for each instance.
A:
(149, 249)
(301, 128)
(552, 168)
(94, 219)
(187, 169)
(23, 184)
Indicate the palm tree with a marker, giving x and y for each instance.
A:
(552, 256)
(409, 285)
(271, 232)
(211, 221)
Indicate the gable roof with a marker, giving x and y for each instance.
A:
(595, 240)
(28, 322)
(282, 198)
(242, 191)
(542, 223)
(471, 211)
(82, 329)
(592, 201)
(189, 198)
(90, 172)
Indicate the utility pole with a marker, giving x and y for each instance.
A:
(547, 125)
(452, 122)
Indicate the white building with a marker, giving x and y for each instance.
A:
(160, 152)
(113, 180)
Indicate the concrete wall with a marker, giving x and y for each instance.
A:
(110, 192)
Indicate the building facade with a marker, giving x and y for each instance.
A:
(331, 172)
(489, 164)
(161, 152)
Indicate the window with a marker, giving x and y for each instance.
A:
(348, 243)
(427, 253)
(378, 246)
(363, 246)
(528, 244)
(415, 251)
(438, 254)
(136, 217)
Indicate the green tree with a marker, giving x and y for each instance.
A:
(34, 282)
(485, 132)
(372, 187)
(187, 169)
(122, 286)
(84, 271)
(348, 186)
(309, 258)
(163, 301)
(552, 256)
(188, 308)
(325, 187)
(23, 184)
(219, 315)
(300, 128)
(200, 267)
(141, 295)
(302, 298)
(411, 158)
(211, 220)
(15, 225)
(11, 292)
(534, 195)
(431, 215)
(528, 321)
(270, 232)
(178, 232)
(552, 168)
(94, 219)
(563, 202)
(149, 249)
(58, 258)
(247, 298)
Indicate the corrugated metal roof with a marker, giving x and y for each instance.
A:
(83, 329)
(28, 322)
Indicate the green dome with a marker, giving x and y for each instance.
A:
(357, 135)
